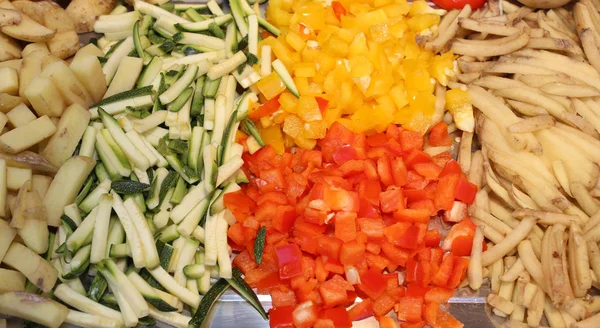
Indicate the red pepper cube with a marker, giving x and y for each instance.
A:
(409, 309)
(281, 317)
(372, 283)
(465, 191)
(289, 260)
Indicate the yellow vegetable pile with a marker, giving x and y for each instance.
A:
(366, 64)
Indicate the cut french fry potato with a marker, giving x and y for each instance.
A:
(27, 135)
(88, 70)
(7, 234)
(535, 311)
(589, 205)
(532, 124)
(548, 218)
(40, 184)
(8, 102)
(69, 132)
(500, 303)
(67, 83)
(509, 242)
(11, 281)
(514, 272)
(9, 81)
(529, 294)
(531, 263)
(64, 187)
(474, 272)
(39, 272)
(496, 47)
(27, 29)
(16, 177)
(34, 230)
(20, 115)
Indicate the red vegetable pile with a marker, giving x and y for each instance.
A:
(350, 219)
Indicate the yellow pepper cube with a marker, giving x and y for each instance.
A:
(420, 7)
(325, 63)
(273, 136)
(358, 47)
(295, 41)
(419, 122)
(411, 49)
(266, 121)
(288, 141)
(310, 54)
(293, 126)
(314, 88)
(379, 32)
(311, 14)
(347, 35)
(381, 83)
(279, 17)
(419, 80)
(423, 21)
(358, 9)
(332, 114)
(305, 69)
(402, 116)
(398, 29)
(356, 103)
(442, 67)
(308, 109)
(372, 18)
(270, 86)
(423, 102)
(386, 103)
(360, 66)
(305, 143)
(279, 116)
(457, 98)
(364, 119)
(283, 52)
(288, 102)
(381, 3)
(314, 130)
(345, 93)
(395, 10)
(302, 84)
(399, 96)
(336, 46)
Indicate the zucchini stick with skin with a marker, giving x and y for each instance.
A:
(101, 225)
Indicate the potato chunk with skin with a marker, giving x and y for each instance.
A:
(69, 131)
(9, 81)
(25, 136)
(44, 97)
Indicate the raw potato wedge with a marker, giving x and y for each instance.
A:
(11, 281)
(67, 83)
(44, 97)
(40, 183)
(9, 17)
(9, 48)
(8, 102)
(33, 307)
(88, 70)
(37, 270)
(89, 49)
(7, 234)
(31, 67)
(29, 160)
(64, 44)
(27, 135)
(69, 131)
(85, 13)
(27, 29)
(65, 186)
(13, 63)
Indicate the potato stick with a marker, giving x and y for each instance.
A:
(595, 281)
(557, 274)
(482, 201)
(582, 109)
(552, 314)
(501, 304)
(535, 311)
(591, 322)
(592, 222)
(567, 90)
(507, 288)
(556, 44)
(572, 267)
(576, 308)
(489, 232)
(518, 314)
(511, 241)
(545, 198)
(593, 234)
(567, 318)
(509, 67)
(581, 261)
(575, 210)
(521, 198)
(464, 151)
(592, 304)
(513, 273)
(501, 213)
(472, 67)
(561, 175)
(448, 18)
(547, 217)
(532, 124)
(474, 272)
(531, 263)
(496, 47)
(537, 81)
(580, 123)
(498, 189)
(449, 30)
(592, 105)
(586, 143)
(490, 220)
(533, 97)
(594, 257)
(496, 270)
(586, 201)
(529, 294)
(475, 175)
(440, 104)
(526, 108)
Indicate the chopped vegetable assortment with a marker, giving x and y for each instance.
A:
(355, 63)
(350, 219)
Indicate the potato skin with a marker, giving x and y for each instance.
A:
(85, 12)
(545, 4)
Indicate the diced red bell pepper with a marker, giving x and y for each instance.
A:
(289, 259)
(339, 316)
(387, 322)
(345, 226)
(305, 315)
(361, 310)
(462, 245)
(438, 295)
(391, 200)
(409, 309)
(330, 247)
(459, 271)
(267, 108)
(399, 171)
(369, 190)
(372, 227)
(444, 193)
(429, 171)
(416, 215)
(384, 169)
(411, 140)
(334, 266)
(463, 228)
(457, 213)
(439, 136)
(338, 9)
(383, 304)
(351, 252)
(416, 290)
(410, 238)
(372, 283)
(333, 293)
(432, 238)
(281, 317)
(285, 297)
(284, 219)
(430, 311)
(411, 271)
(446, 320)
(465, 191)
(345, 153)
(451, 167)
(416, 156)
(445, 271)
(322, 102)
(396, 255)
(377, 140)
(244, 262)
(424, 273)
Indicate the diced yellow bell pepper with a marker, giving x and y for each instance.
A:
(270, 86)
(293, 126)
(273, 136)
(295, 41)
(423, 21)
(336, 46)
(308, 109)
(305, 143)
(305, 69)
(314, 130)
(379, 32)
(458, 103)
